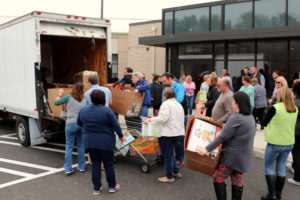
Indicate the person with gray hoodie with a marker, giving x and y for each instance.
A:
(260, 102)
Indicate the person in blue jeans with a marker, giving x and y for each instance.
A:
(171, 118)
(99, 125)
(168, 81)
(189, 87)
(280, 120)
(75, 101)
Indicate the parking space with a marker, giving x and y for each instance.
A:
(19, 164)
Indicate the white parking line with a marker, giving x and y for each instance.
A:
(34, 177)
(25, 164)
(37, 147)
(16, 173)
(8, 137)
(10, 143)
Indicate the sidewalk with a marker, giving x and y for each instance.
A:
(260, 144)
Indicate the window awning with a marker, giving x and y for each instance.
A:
(266, 33)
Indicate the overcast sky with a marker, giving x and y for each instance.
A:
(124, 9)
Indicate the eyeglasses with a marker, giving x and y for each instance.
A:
(277, 82)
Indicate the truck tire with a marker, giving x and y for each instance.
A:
(22, 129)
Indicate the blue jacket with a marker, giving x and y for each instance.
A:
(179, 91)
(144, 86)
(260, 99)
(98, 126)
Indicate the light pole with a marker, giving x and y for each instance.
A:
(102, 9)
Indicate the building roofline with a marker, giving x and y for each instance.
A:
(266, 33)
(145, 22)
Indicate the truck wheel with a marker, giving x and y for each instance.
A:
(22, 130)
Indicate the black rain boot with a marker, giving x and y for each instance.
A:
(271, 182)
(280, 180)
(237, 192)
(220, 189)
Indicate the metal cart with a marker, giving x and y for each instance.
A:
(134, 127)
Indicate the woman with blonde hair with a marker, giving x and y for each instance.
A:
(280, 137)
(190, 87)
(279, 83)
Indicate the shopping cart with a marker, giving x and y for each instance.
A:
(137, 148)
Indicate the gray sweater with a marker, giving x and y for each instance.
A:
(236, 137)
(260, 100)
(223, 108)
(73, 107)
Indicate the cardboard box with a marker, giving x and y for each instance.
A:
(57, 111)
(204, 164)
(126, 103)
(83, 77)
(147, 145)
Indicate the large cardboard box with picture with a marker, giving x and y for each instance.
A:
(125, 102)
(199, 133)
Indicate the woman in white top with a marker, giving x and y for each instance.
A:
(171, 117)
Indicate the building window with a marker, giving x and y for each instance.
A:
(294, 15)
(235, 68)
(168, 23)
(114, 66)
(196, 51)
(270, 13)
(216, 18)
(219, 51)
(238, 16)
(241, 51)
(192, 20)
(272, 50)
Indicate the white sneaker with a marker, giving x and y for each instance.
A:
(290, 167)
(292, 181)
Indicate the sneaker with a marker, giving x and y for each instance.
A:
(112, 190)
(290, 167)
(69, 172)
(97, 192)
(292, 181)
(180, 163)
(81, 170)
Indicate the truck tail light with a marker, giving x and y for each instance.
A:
(83, 18)
(107, 21)
(69, 16)
(38, 12)
(76, 17)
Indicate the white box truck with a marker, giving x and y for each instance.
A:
(37, 42)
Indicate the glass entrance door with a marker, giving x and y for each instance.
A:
(194, 68)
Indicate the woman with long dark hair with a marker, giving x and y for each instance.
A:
(75, 101)
(237, 143)
(280, 120)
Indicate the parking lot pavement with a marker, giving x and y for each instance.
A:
(37, 174)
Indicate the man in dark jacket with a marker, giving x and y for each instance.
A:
(156, 94)
(127, 75)
(295, 167)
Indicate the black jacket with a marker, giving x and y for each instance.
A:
(156, 93)
(212, 96)
(127, 79)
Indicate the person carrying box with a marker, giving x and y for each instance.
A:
(237, 156)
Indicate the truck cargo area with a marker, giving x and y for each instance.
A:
(66, 56)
